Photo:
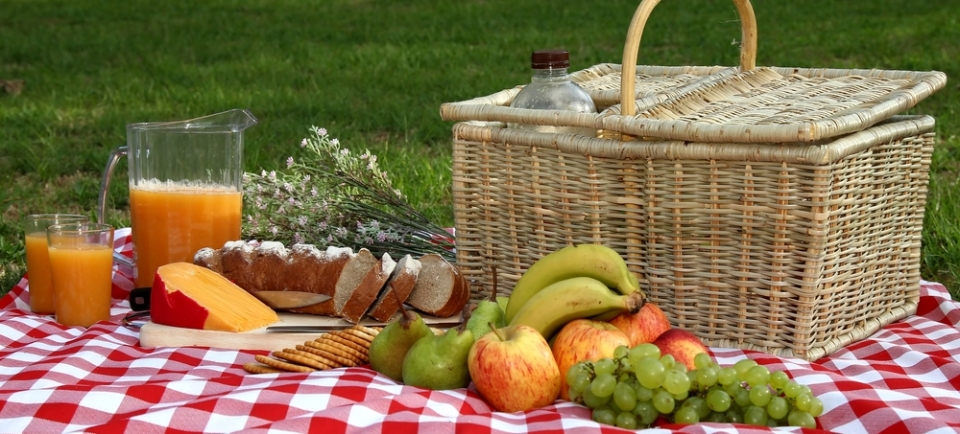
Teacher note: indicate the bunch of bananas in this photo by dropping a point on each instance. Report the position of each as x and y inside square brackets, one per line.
[579, 281]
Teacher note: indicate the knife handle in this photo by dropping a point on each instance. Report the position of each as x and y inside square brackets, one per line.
[140, 299]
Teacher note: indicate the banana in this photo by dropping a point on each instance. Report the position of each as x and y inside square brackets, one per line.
[570, 299]
[585, 260]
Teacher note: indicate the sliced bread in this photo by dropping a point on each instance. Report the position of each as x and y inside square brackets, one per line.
[397, 289]
[327, 278]
[440, 290]
[367, 291]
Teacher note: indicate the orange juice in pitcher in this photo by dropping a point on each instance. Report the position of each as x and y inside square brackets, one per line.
[179, 220]
[185, 187]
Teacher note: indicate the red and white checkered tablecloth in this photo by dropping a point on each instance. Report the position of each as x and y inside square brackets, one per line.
[903, 379]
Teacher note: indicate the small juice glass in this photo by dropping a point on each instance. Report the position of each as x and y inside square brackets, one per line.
[81, 267]
[38, 262]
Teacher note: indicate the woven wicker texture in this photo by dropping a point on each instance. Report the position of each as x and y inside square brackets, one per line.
[776, 209]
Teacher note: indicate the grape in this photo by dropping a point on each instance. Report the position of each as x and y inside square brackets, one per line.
[714, 417]
[758, 376]
[816, 407]
[754, 415]
[605, 365]
[594, 401]
[681, 396]
[802, 419]
[676, 382]
[574, 394]
[702, 360]
[792, 389]
[742, 366]
[698, 404]
[626, 420]
[726, 375]
[802, 401]
[778, 407]
[643, 351]
[649, 372]
[646, 413]
[718, 400]
[742, 397]
[779, 379]
[643, 393]
[759, 396]
[668, 361]
[663, 401]
[706, 376]
[604, 416]
[624, 397]
[580, 382]
[733, 416]
[575, 371]
[679, 367]
[686, 416]
[603, 385]
[621, 352]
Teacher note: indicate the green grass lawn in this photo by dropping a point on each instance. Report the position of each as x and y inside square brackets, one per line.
[375, 73]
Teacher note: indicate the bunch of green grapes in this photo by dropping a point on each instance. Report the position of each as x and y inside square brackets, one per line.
[637, 386]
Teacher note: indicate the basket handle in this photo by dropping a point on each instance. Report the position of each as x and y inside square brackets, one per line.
[628, 75]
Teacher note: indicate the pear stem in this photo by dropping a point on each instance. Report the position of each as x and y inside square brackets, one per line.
[496, 331]
[493, 292]
[405, 317]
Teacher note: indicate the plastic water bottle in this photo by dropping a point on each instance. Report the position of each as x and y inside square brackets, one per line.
[550, 88]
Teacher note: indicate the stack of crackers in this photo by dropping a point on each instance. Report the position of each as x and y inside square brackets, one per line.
[335, 349]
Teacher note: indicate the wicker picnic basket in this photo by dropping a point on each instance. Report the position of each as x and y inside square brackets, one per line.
[773, 209]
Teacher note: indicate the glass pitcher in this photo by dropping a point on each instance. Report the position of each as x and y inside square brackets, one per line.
[185, 187]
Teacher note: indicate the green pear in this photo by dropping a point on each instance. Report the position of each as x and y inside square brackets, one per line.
[502, 301]
[439, 362]
[487, 312]
[389, 348]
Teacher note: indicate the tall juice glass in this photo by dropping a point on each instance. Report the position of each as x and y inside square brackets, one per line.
[38, 261]
[81, 265]
[186, 187]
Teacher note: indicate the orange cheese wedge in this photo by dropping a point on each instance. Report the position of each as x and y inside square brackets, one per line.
[191, 296]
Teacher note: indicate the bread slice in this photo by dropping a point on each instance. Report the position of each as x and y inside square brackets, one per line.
[326, 278]
[398, 287]
[367, 291]
[440, 290]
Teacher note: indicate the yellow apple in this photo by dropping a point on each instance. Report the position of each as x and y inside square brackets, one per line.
[513, 369]
[682, 344]
[584, 340]
[644, 326]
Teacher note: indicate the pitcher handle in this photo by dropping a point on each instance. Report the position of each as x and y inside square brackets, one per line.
[105, 182]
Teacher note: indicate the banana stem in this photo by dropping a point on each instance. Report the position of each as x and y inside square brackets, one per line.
[634, 302]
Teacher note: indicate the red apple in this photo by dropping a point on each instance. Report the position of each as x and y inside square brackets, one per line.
[513, 369]
[681, 344]
[644, 326]
[584, 340]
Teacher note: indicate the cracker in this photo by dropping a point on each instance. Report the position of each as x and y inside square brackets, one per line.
[256, 368]
[356, 336]
[280, 364]
[330, 350]
[359, 349]
[372, 331]
[305, 358]
[322, 350]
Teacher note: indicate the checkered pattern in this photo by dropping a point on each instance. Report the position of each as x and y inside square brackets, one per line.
[903, 379]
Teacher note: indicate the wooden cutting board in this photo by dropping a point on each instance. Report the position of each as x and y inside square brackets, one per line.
[154, 335]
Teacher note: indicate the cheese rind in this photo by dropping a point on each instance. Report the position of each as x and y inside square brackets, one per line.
[191, 296]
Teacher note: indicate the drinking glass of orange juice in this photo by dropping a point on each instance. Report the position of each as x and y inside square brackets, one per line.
[81, 268]
[38, 262]
[185, 187]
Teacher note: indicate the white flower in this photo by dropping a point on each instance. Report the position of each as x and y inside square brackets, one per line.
[273, 174]
[303, 143]
[322, 132]
[313, 191]
[302, 220]
[289, 162]
[335, 142]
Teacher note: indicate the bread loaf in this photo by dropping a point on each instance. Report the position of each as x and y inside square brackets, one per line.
[359, 283]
